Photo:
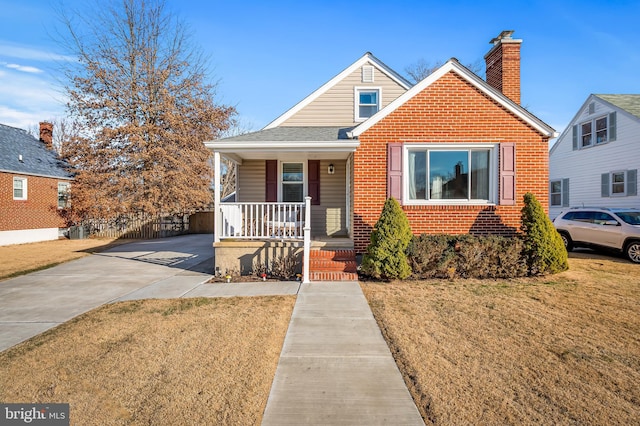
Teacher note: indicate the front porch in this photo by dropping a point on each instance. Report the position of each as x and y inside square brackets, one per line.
[293, 196]
[252, 237]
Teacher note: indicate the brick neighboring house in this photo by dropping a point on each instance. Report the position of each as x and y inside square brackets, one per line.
[458, 153]
[34, 186]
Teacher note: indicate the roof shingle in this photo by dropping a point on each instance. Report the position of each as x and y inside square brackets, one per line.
[36, 158]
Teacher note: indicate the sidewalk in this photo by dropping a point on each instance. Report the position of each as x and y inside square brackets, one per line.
[335, 366]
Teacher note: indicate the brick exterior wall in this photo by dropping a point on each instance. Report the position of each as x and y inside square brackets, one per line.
[39, 210]
[448, 111]
[503, 68]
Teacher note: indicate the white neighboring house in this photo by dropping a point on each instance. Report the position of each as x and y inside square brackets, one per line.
[595, 160]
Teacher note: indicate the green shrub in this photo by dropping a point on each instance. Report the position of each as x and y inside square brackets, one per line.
[543, 248]
[385, 257]
[466, 256]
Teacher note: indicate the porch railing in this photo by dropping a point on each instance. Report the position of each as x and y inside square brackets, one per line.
[262, 220]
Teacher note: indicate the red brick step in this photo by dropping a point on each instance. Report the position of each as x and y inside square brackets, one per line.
[332, 265]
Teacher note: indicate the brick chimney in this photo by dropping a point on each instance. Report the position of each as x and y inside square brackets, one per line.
[46, 134]
[503, 65]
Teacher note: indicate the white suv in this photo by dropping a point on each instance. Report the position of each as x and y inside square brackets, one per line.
[611, 228]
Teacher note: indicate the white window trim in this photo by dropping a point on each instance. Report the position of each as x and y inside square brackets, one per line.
[68, 186]
[356, 101]
[493, 173]
[626, 180]
[594, 132]
[24, 188]
[304, 177]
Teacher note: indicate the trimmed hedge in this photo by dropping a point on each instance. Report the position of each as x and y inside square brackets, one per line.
[466, 256]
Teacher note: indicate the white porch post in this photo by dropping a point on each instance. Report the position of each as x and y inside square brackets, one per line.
[307, 240]
[217, 216]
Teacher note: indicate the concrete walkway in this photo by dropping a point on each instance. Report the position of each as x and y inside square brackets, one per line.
[335, 367]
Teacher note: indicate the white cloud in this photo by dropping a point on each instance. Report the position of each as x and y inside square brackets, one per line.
[27, 98]
[24, 68]
[13, 50]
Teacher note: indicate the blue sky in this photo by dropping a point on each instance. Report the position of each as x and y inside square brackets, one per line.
[267, 55]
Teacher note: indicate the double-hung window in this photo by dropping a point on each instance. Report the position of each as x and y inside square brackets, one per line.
[451, 174]
[595, 131]
[556, 192]
[292, 182]
[559, 193]
[19, 188]
[367, 102]
[63, 195]
[619, 183]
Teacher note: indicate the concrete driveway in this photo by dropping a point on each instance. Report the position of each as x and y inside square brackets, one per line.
[167, 267]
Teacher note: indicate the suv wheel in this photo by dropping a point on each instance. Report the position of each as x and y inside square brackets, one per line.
[568, 244]
[633, 251]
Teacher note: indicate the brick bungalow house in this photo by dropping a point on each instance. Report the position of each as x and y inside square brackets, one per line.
[458, 153]
[34, 186]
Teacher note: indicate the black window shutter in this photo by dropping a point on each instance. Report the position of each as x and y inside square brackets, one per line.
[575, 137]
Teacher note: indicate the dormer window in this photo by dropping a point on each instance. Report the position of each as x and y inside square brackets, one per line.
[367, 103]
[596, 131]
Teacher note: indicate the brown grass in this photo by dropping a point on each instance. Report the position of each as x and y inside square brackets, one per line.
[20, 259]
[562, 349]
[180, 362]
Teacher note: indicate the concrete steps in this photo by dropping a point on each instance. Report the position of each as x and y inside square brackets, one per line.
[333, 265]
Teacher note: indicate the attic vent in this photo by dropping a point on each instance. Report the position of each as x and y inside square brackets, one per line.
[367, 74]
[592, 108]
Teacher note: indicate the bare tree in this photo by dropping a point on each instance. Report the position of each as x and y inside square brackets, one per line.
[142, 106]
[64, 129]
[421, 69]
[228, 179]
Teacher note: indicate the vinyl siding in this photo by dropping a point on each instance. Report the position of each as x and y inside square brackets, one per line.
[584, 167]
[251, 181]
[336, 107]
[326, 219]
[329, 217]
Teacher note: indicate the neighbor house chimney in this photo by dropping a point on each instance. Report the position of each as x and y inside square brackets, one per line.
[46, 134]
[503, 65]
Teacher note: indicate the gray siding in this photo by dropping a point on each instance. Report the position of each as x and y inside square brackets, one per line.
[584, 167]
[336, 106]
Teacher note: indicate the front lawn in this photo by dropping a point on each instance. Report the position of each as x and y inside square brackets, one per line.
[161, 362]
[563, 349]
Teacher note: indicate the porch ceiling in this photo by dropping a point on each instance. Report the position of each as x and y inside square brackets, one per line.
[297, 149]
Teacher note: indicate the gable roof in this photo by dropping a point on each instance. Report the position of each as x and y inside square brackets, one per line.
[629, 103]
[36, 160]
[454, 66]
[624, 103]
[366, 58]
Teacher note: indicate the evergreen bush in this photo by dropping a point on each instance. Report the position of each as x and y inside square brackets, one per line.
[466, 256]
[385, 257]
[543, 248]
